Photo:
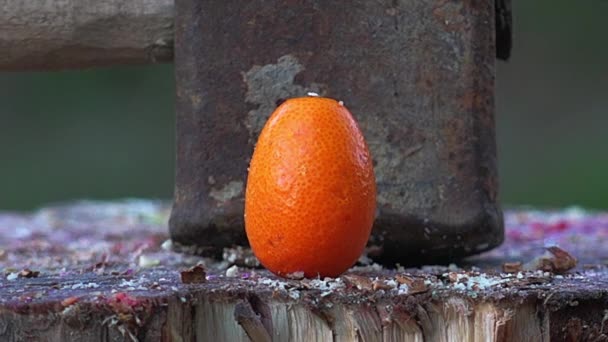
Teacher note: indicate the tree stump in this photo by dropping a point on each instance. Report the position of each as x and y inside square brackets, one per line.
[106, 271]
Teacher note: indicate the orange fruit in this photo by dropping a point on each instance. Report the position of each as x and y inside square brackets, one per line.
[311, 193]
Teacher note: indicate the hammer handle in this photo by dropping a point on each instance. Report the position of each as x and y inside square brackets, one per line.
[73, 34]
[67, 34]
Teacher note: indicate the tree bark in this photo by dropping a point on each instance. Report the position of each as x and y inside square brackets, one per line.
[65, 34]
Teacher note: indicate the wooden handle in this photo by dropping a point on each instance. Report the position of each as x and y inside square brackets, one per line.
[68, 34]
[72, 34]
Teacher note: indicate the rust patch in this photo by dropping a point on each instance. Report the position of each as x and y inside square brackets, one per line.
[228, 192]
[269, 85]
[449, 15]
[471, 100]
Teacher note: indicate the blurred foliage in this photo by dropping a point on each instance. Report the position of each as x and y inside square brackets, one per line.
[552, 106]
[101, 133]
[109, 133]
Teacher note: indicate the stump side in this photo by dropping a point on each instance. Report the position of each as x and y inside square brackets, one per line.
[105, 270]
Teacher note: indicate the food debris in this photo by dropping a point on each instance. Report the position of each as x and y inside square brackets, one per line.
[193, 275]
[512, 267]
[167, 245]
[83, 286]
[146, 261]
[327, 284]
[472, 280]
[364, 259]
[454, 277]
[272, 283]
[27, 273]
[414, 285]
[69, 301]
[232, 271]
[295, 275]
[367, 268]
[381, 284]
[554, 260]
[129, 310]
[294, 294]
[122, 302]
[360, 282]
[240, 256]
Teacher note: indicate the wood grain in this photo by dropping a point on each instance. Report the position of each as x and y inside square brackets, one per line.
[68, 34]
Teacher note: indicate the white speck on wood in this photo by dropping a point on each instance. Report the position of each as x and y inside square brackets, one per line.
[232, 271]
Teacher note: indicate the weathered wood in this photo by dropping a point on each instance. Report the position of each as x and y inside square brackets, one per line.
[59, 34]
[107, 273]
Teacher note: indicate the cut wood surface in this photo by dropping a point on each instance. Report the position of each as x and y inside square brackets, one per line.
[105, 271]
[47, 35]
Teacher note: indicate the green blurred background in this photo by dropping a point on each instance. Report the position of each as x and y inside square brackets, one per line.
[109, 133]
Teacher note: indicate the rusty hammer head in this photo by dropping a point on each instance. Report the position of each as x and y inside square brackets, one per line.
[418, 76]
